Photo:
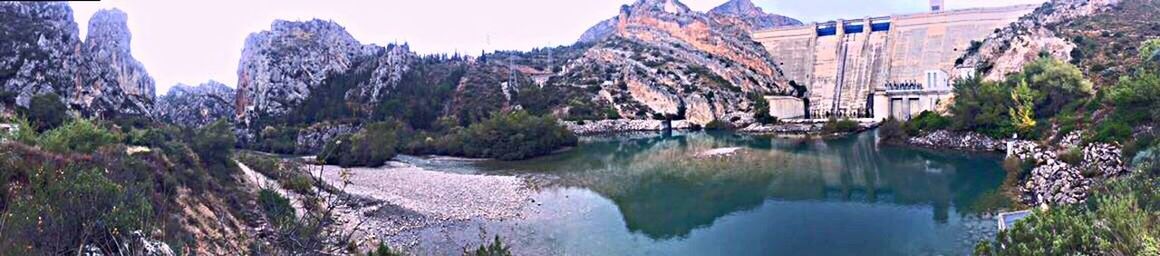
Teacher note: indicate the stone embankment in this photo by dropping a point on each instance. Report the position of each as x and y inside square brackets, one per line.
[968, 141]
[1053, 180]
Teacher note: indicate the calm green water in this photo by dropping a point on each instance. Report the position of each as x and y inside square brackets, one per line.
[651, 195]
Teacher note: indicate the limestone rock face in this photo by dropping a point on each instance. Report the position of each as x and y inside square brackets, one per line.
[754, 17]
[598, 32]
[394, 62]
[1012, 47]
[39, 51]
[196, 106]
[112, 81]
[42, 53]
[280, 67]
[663, 60]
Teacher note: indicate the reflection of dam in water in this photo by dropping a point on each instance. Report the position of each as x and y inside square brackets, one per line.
[884, 66]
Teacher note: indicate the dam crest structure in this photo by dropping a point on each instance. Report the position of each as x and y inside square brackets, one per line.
[881, 67]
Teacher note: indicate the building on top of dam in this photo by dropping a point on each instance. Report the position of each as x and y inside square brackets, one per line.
[880, 67]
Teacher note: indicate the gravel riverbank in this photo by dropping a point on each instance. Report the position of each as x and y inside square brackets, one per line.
[418, 198]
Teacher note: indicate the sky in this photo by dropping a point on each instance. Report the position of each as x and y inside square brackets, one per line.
[192, 42]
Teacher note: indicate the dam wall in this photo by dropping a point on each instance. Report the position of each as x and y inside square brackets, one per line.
[843, 62]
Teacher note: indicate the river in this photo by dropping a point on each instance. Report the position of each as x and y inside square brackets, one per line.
[664, 194]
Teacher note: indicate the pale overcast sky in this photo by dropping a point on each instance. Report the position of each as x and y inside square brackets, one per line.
[194, 41]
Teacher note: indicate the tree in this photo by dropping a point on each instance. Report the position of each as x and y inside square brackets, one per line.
[890, 131]
[47, 111]
[1022, 114]
[761, 109]
[1150, 50]
[214, 144]
[1058, 83]
[982, 107]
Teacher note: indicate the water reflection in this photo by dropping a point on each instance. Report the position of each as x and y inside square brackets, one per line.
[664, 191]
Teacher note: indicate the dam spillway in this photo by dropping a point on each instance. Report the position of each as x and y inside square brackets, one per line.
[847, 64]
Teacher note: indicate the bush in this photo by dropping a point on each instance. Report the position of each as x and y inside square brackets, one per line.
[372, 146]
[214, 144]
[761, 109]
[511, 135]
[925, 122]
[383, 250]
[1073, 156]
[1136, 98]
[982, 107]
[1112, 131]
[891, 131]
[1119, 219]
[82, 136]
[72, 207]
[495, 248]
[276, 207]
[1056, 84]
[47, 111]
[840, 126]
[718, 125]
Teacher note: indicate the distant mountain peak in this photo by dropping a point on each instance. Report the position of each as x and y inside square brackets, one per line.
[754, 16]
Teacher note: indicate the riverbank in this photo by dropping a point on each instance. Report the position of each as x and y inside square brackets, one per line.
[416, 198]
[787, 128]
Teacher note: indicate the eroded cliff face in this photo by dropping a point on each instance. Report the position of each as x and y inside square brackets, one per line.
[754, 17]
[39, 51]
[112, 81]
[196, 106]
[1038, 33]
[280, 67]
[42, 53]
[665, 60]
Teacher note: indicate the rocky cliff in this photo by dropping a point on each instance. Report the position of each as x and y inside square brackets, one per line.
[754, 17]
[280, 67]
[665, 60]
[42, 53]
[1083, 32]
[196, 106]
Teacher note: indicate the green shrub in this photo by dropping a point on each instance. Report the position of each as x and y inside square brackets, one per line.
[761, 109]
[81, 136]
[25, 132]
[718, 125]
[891, 131]
[1136, 98]
[47, 111]
[1056, 84]
[72, 207]
[384, 250]
[1119, 219]
[1112, 131]
[276, 207]
[834, 125]
[982, 107]
[300, 184]
[511, 135]
[214, 144]
[1073, 156]
[495, 248]
[925, 122]
[372, 146]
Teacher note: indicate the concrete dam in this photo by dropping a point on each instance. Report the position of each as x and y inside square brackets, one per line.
[882, 66]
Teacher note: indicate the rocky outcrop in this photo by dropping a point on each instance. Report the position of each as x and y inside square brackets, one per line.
[1054, 181]
[111, 80]
[969, 141]
[662, 59]
[598, 32]
[1022, 42]
[42, 53]
[312, 139]
[280, 67]
[197, 106]
[754, 17]
[39, 51]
